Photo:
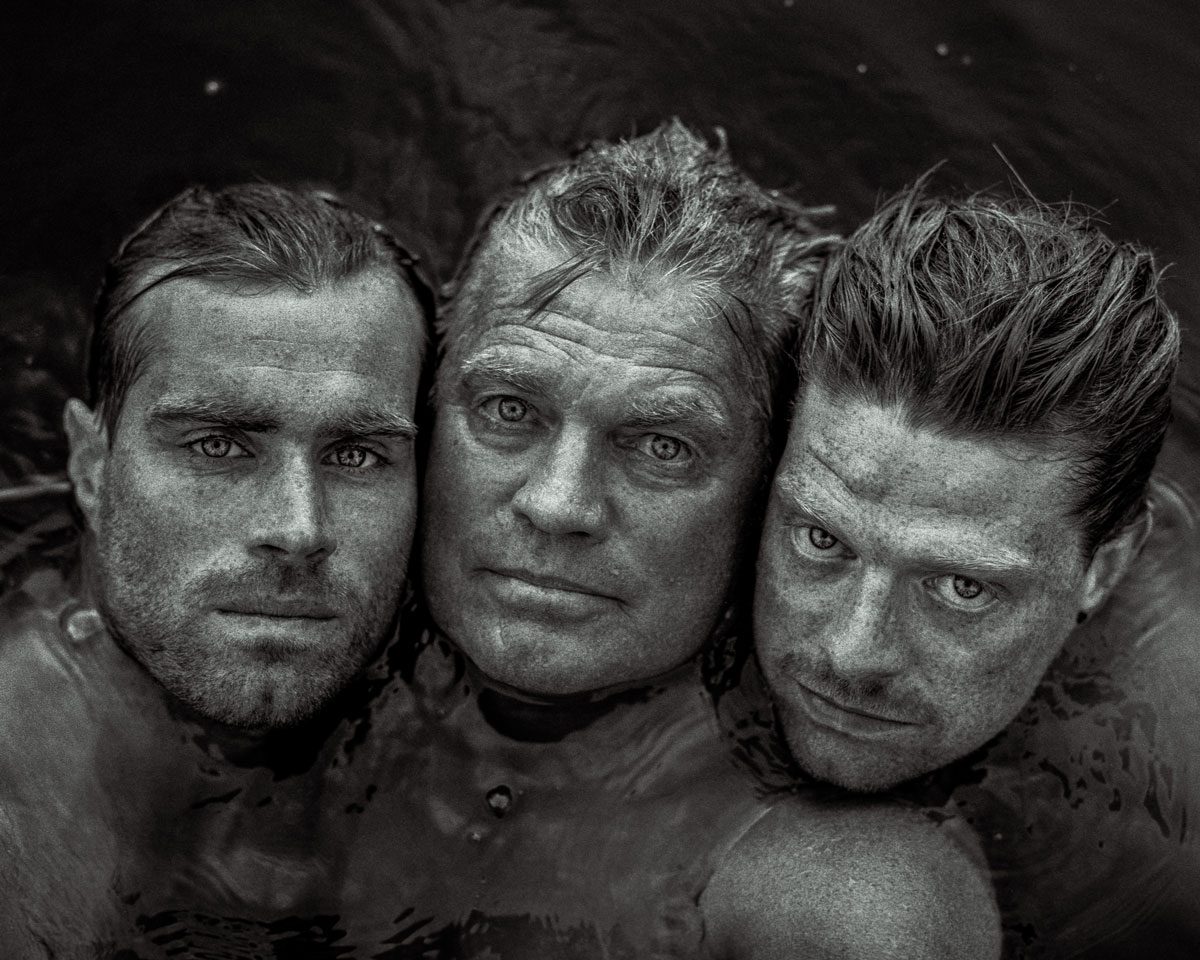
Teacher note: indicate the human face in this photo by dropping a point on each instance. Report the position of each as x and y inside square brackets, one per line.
[254, 513]
[590, 474]
[913, 587]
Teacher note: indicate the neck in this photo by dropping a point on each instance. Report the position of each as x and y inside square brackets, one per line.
[526, 716]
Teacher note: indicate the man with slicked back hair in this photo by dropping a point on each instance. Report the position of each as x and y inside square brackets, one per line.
[246, 475]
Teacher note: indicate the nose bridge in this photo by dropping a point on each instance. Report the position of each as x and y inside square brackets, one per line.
[294, 510]
[562, 491]
[864, 639]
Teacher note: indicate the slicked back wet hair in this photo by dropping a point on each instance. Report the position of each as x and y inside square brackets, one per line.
[257, 234]
[1009, 320]
[666, 206]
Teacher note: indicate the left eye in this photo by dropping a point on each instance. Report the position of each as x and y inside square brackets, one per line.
[962, 592]
[664, 448]
[355, 458]
[218, 448]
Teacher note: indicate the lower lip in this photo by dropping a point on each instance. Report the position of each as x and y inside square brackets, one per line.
[825, 713]
[533, 599]
[259, 625]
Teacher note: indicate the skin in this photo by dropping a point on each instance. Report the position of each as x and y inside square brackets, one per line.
[850, 881]
[913, 588]
[253, 513]
[589, 481]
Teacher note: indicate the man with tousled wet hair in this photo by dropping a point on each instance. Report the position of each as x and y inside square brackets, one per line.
[986, 386]
[616, 345]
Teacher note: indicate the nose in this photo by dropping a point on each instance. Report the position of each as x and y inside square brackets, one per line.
[863, 639]
[291, 515]
[561, 493]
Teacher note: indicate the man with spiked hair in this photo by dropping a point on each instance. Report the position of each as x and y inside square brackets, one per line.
[616, 346]
[986, 385]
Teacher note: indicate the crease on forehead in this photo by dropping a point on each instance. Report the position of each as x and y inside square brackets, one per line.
[675, 394]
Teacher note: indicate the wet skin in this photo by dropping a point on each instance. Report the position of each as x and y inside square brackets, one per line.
[589, 481]
[913, 588]
[254, 512]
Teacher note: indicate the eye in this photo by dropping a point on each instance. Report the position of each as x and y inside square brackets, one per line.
[218, 448]
[818, 543]
[510, 409]
[663, 448]
[963, 593]
[355, 457]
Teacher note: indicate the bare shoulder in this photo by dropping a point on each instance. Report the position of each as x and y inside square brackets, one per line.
[851, 879]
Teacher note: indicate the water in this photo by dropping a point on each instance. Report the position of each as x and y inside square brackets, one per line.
[424, 111]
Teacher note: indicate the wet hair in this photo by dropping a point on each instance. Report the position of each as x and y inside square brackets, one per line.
[258, 234]
[1010, 320]
[664, 206]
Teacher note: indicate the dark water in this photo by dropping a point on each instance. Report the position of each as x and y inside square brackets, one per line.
[425, 110]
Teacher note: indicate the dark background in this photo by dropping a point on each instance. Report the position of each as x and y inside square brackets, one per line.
[422, 111]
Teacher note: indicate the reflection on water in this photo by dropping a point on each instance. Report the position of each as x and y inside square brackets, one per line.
[425, 110]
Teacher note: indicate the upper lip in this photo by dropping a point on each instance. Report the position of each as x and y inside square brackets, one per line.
[547, 580]
[861, 711]
[279, 607]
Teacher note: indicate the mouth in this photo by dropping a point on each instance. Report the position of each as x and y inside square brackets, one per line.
[279, 608]
[547, 581]
[846, 718]
[545, 597]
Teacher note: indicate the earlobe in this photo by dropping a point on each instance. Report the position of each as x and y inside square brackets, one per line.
[87, 438]
[1113, 558]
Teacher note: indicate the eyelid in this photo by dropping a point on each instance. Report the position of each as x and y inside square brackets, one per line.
[799, 533]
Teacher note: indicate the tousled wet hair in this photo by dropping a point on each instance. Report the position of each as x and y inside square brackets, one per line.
[1010, 320]
[663, 206]
[259, 234]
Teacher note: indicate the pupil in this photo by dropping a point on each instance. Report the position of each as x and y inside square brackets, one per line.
[351, 457]
[215, 447]
[511, 409]
[966, 588]
[821, 539]
[665, 448]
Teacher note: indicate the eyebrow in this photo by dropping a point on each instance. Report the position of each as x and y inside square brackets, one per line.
[688, 406]
[249, 417]
[523, 377]
[1000, 563]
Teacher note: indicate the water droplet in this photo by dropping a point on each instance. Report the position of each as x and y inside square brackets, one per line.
[213, 87]
[861, 68]
[942, 49]
[499, 799]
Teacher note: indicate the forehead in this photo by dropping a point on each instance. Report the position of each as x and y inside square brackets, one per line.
[658, 333]
[912, 492]
[363, 334]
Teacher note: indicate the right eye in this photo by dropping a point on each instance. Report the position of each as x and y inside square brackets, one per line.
[217, 447]
[817, 543]
[505, 409]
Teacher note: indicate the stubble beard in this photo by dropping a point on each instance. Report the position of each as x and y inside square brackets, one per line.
[162, 624]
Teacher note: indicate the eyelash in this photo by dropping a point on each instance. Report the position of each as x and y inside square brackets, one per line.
[380, 459]
[801, 534]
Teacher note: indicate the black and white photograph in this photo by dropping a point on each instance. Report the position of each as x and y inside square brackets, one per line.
[600, 480]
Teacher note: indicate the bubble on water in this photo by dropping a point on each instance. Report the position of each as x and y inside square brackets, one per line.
[499, 800]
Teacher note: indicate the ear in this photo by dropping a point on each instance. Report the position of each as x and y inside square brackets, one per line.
[88, 439]
[1113, 558]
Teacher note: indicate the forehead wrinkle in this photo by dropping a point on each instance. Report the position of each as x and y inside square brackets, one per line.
[975, 552]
